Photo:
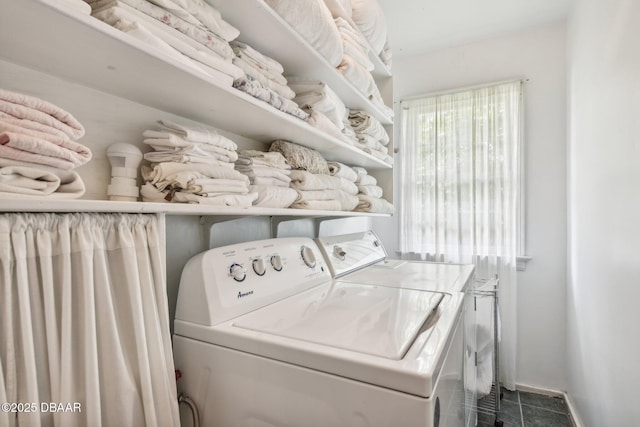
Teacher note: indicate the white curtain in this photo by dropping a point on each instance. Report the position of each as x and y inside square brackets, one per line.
[84, 321]
[460, 189]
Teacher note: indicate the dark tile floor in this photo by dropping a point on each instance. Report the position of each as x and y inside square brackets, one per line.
[523, 409]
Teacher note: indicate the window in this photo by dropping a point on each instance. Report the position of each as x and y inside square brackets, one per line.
[461, 183]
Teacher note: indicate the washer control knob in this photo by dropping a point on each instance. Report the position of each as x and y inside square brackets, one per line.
[276, 262]
[339, 253]
[259, 266]
[308, 256]
[238, 272]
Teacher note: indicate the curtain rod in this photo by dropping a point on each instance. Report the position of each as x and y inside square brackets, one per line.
[463, 89]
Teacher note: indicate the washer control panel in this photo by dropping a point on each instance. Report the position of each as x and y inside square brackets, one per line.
[225, 282]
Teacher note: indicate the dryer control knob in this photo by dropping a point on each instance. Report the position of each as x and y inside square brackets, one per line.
[259, 266]
[339, 253]
[308, 256]
[238, 272]
[276, 262]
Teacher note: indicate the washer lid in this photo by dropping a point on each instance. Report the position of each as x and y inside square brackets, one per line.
[375, 320]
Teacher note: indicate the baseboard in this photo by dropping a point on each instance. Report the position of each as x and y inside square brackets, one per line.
[539, 390]
[573, 414]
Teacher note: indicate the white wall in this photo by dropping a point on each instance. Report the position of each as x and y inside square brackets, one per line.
[540, 56]
[604, 186]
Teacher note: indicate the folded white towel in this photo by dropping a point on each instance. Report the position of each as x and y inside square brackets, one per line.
[151, 194]
[342, 170]
[322, 205]
[364, 123]
[202, 12]
[209, 16]
[163, 156]
[357, 75]
[313, 21]
[348, 31]
[257, 90]
[29, 145]
[204, 186]
[319, 96]
[78, 6]
[265, 172]
[175, 175]
[270, 196]
[264, 158]
[303, 180]
[369, 17]
[189, 134]
[265, 180]
[250, 70]
[321, 122]
[21, 106]
[18, 179]
[373, 204]
[370, 190]
[200, 35]
[128, 19]
[369, 141]
[260, 60]
[360, 170]
[365, 179]
[348, 202]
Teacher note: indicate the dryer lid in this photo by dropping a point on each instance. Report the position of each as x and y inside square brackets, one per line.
[375, 320]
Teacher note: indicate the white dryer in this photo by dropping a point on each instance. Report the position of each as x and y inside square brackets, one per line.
[265, 337]
[361, 258]
[349, 254]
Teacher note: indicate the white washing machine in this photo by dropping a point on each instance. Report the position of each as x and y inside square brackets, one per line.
[265, 337]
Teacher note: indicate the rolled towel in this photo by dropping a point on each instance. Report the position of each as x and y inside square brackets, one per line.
[370, 190]
[342, 170]
[366, 179]
[373, 205]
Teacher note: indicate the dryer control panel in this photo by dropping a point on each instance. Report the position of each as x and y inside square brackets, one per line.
[351, 252]
[226, 282]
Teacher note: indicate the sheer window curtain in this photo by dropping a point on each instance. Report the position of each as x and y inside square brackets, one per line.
[460, 189]
[84, 318]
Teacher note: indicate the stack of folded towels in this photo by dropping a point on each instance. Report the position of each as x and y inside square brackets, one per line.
[313, 21]
[326, 110]
[356, 66]
[370, 20]
[310, 177]
[262, 78]
[371, 135]
[189, 32]
[193, 165]
[370, 194]
[269, 175]
[38, 148]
